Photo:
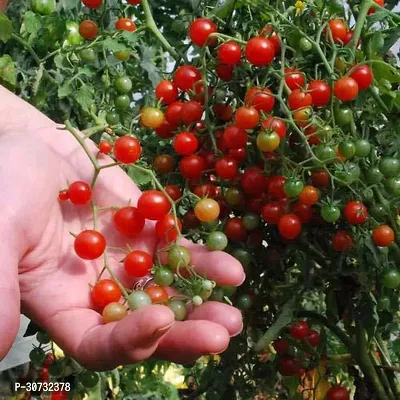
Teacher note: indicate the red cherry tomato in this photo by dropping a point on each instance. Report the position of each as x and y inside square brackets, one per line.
[363, 76]
[342, 241]
[185, 143]
[167, 92]
[355, 212]
[320, 93]
[89, 244]
[157, 294]
[125, 24]
[223, 111]
[383, 235]
[272, 212]
[260, 51]
[260, 98]
[186, 76]
[294, 78]
[226, 168]
[281, 346]
[127, 149]
[337, 393]
[92, 3]
[173, 191]
[299, 330]
[247, 117]
[229, 53]
[275, 124]
[206, 190]
[235, 137]
[138, 263]
[88, 29]
[224, 72]
[320, 178]
[289, 226]
[275, 187]
[173, 113]
[63, 195]
[166, 228]
[289, 365]
[346, 89]
[338, 30]
[200, 30]
[238, 154]
[253, 180]
[129, 221]
[79, 193]
[235, 230]
[166, 129]
[309, 196]
[313, 338]
[299, 99]
[191, 111]
[105, 147]
[372, 10]
[191, 167]
[273, 37]
[153, 204]
[104, 292]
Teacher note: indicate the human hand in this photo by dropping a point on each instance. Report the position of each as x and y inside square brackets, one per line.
[39, 267]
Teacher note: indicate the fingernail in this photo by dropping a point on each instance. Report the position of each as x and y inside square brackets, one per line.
[238, 332]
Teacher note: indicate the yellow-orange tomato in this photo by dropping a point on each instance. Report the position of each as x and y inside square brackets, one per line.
[152, 117]
[114, 312]
[309, 195]
[268, 141]
[302, 116]
[207, 210]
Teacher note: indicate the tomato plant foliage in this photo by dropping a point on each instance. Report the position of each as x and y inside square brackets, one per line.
[284, 115]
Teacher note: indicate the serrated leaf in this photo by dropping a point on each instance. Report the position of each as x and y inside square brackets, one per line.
[148, 65]
[32, 22]
[139, 177]
[32, 329]
[375, 43]
[8, 74]
[6, 29]
[84, 97]
[64, 90]
[113, 45]
[129, 38]
[366, 311]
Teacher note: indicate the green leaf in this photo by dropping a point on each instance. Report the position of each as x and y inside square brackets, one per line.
[138, 176]
[6, 29]
[113, 45]
[32, 22]
[385, 71]
[284, 318]
[366, 311]
[292, 383]
[8, 75]
[375, 43]
[336, 7]
[69, 4]
[64, 90]
[224, 9]
[396, 347]
[84, 97]
[392, 37]
[148, 65]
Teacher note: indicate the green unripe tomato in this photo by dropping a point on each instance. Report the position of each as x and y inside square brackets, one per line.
[373, 175]
[123, 84]
[243, 256]
[325, 153]
[88, 56]
[43, 7]
[163, 277]
[392, 185]
[229, 291]
[384, 303]
[330, 213]
[343, 116]
[389, 166]
[244, 302]
[305, 44]
[112, 118]
[178, 257]
[325, 132]
[37, 355]
[378, 212]
[73, 38]
[293, 187]
[217, 294]
[89, 379]
[234, 196]
[178, 307]
[138, 299]
[251, 221]
[122, 55]
[347, 149]
[43, 337]
[122, 102]
[363, 148]
[217, 241]
[391, 279]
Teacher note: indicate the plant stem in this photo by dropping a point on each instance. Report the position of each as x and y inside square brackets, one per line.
[365, 5]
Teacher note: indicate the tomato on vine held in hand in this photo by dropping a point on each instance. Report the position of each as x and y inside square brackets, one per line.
[275, 187]
[260, 98]
[363, 75]
[88, 29]
[342, 241]
[157, 294]
[207, 210]
[114, 312]
[235, 137]
[309, 196]
[92, 3]
[338, 30]
[226, 168]
[138, 299]
[355, 212]
[346, 89]
[186, 76]
[224, 71]
[217, 241]
[281, 346]
[275, 124]
[191, 111]
[178, 257]
[206, 190]
[337, 393]
[299, 330]
[151, 117]
[185, 143]
[247, 117]
[63, 195]
[235, 230]
[164, 164]
[167, 92]
[127, 149]
[391, 279]
[289, 226]
[191, 167]
[129, 221]
[166, 228]
[320, 93]
[153, 204]
[299, 99]
[383, 235]
[268, 141]
[89, 244]
[229, 53]
[105, 147]
[260, 51]
[173, 191]
[272, 212]
[125, 24]
[104, 292]
[138, 263]
[79, 193]
[294, 78]
[200, 30]
[372, 10]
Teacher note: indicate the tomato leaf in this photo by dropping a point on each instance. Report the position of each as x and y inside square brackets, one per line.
[375, 44]
[139, 177]
[336, 7]
[65, 89]
[6, 29]
[32, 22]
[8, 75]
[224, 9]
[148, 65]
[84, 97]
[113, 45]
[366, 311]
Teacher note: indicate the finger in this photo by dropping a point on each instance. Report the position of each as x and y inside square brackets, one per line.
[229, 317]
[187, 341]
[82, 334]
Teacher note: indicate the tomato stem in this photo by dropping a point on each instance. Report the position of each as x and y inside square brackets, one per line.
[365, 5]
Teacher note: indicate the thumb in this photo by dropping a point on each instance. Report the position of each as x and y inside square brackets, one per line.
[9, 294]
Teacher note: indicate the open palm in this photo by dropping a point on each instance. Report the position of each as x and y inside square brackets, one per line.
[39, 267]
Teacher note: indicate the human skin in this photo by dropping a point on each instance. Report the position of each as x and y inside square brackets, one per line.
[42, 276]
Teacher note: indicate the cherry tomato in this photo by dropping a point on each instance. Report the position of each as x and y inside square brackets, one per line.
[268, 141]
[200, 30]
[272, 212]
[206, 190]
[260, 51]
[63, 195]
[166, 228]
[178, 257]
[113, 312]
[105, 147]
[320, 93]
[151, 117]
[281, 346]
[299, 330]
[355, 212]
[226, 168]
[167, 92]
[104, 292]
[129, 221]
[224, 71]
[302, 117]
[60, 395]
[313, 338]
[330, 213]
[185, 143]
[92, 3]
[273, 37]
[122, 55]
[338, 30]
[89, 244]
[299, 99]
[199, 94]
[88, 29]
[260, 98]
[383, 235]
[43, 7]
[342, 241]
[275, 187]
[173, 191]
[346, 89]
[127, 149]
[303, 211]
[309, 196]
[191, 167]
[320, 178]
[125, 24]
[289, 226]
[89, 379]
[164, 164]
[363, 76]
[229, 53]
[372, 10]
[123, 84]
[294, 78]
[235, 137]
[235, 230]
[391, 279]
[223, 111]
[138, 263]
[191, 111]
[134, 2]
[289, 365]
[207, 210]
[79, 193]
[389, 166]
[275, 124]
[253, 180]
[247, 117]
[293, 187]
[337, 393]
[153, 204]
[186, 76]
[157, 294]
[173, 113]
